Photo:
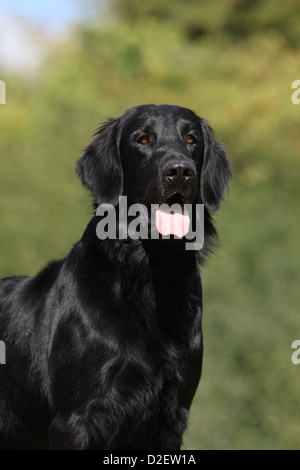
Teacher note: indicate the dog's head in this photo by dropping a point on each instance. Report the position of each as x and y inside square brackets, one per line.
[153, 155]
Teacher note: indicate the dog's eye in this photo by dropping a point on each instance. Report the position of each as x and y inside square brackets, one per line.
[143, 140]
[191, 139]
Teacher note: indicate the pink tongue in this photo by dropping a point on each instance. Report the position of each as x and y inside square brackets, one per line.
[172, 224]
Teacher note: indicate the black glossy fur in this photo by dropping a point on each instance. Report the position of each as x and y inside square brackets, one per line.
[104, 347]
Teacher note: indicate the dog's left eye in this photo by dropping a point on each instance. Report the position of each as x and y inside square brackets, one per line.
[191, 139]
[143, 140]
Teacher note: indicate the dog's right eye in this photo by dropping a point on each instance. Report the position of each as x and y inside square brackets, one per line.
[143, 140]
[191, 139]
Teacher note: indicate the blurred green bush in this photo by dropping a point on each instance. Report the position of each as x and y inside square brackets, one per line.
[233, 64]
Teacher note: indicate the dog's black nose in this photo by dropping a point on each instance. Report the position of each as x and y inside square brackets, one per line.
[176, 171]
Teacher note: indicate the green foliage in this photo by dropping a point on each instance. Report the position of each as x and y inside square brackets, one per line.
[235, 19]
[232, 62]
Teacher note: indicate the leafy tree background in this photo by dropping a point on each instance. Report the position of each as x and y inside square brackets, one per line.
[233, 63]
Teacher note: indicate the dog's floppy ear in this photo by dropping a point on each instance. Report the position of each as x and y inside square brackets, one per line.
[216, 172]
[100, 167]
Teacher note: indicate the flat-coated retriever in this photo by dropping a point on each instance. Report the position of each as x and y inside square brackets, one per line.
[104, 347]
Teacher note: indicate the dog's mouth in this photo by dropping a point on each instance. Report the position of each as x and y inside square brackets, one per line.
[176, 198]
[170, 216]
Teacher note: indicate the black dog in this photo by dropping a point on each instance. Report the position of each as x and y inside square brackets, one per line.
[104, 347]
